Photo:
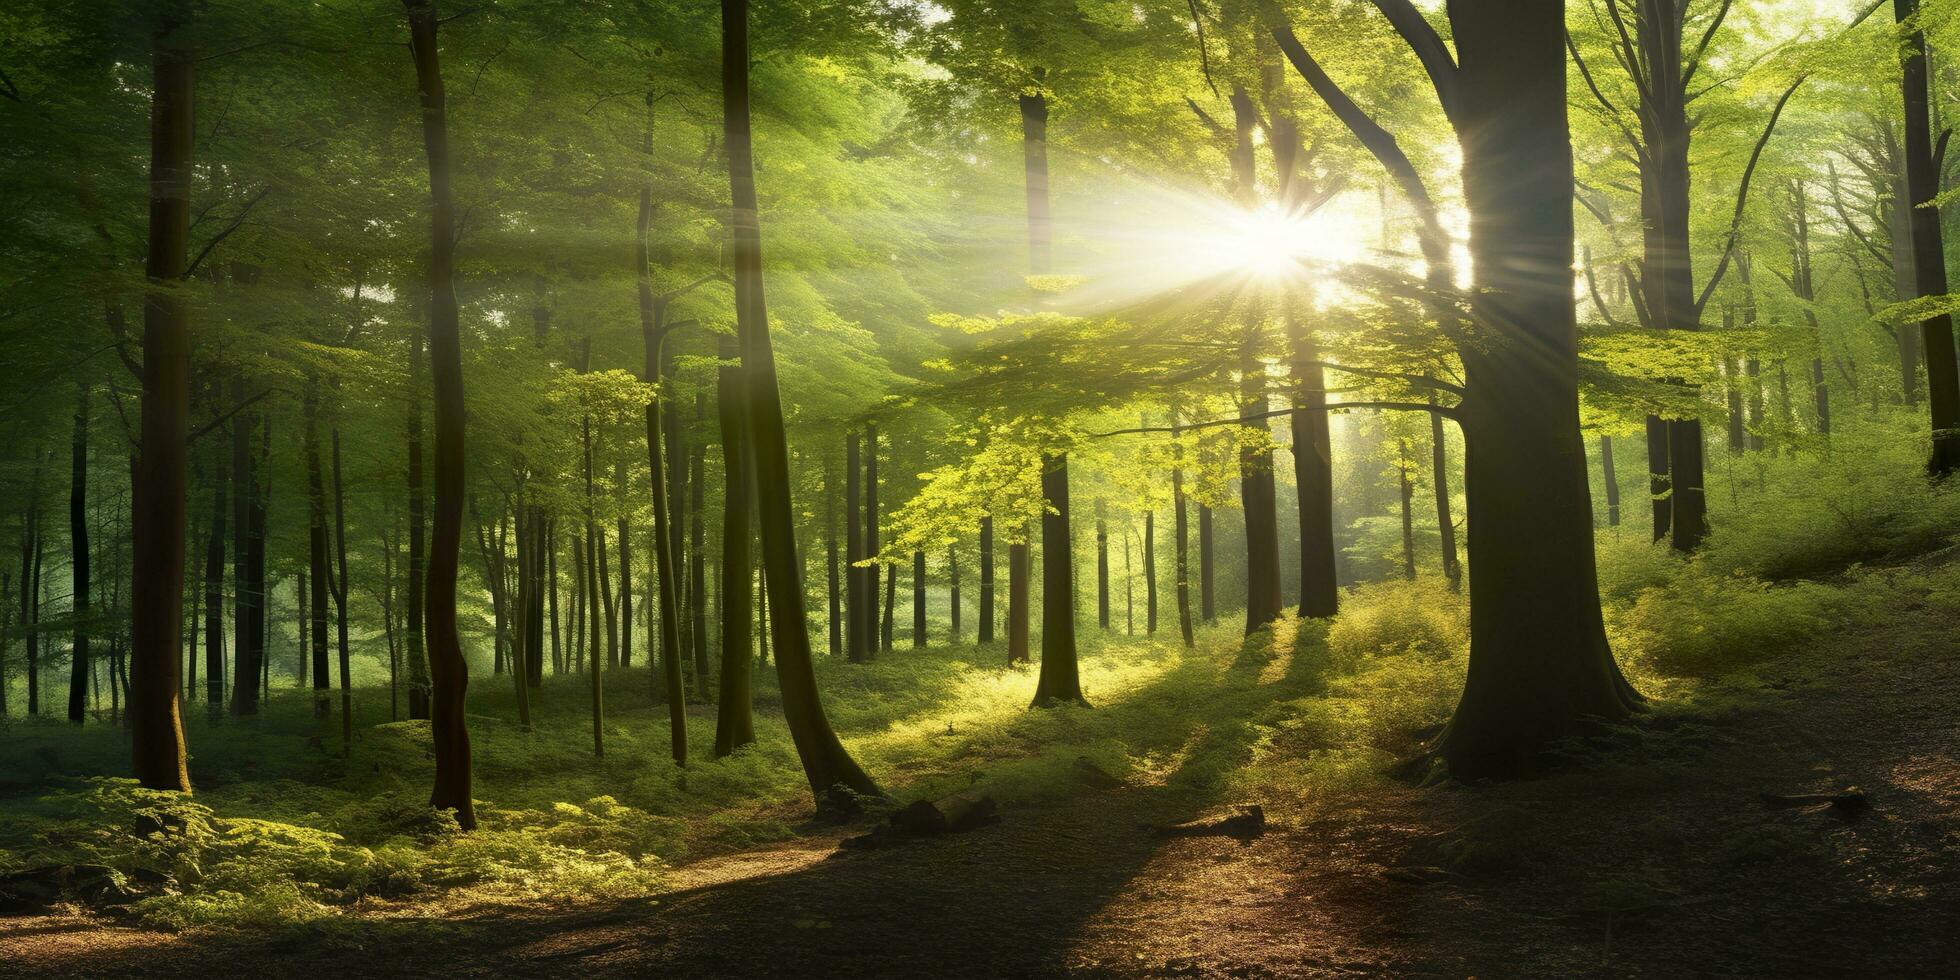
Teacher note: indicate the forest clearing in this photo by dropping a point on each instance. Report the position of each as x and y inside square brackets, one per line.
[979, 488]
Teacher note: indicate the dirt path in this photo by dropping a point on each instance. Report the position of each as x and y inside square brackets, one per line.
[1654, 857]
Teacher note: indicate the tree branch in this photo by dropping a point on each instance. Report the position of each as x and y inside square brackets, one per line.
[1446, 411]
[1415, 380]
[1742, 196]
[1701, 48]
[236, 221]
[204, 429]
[1429, 48]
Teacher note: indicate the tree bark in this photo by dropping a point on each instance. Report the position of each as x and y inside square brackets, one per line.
[418, 664]
[449, 673]
[1181, 531]
[1150, 572]
[157, 521]
[877, 637]
[316, 550]
[79, 665]
[696, 574]
[214, 602]
[857, 635]
[1408, 510]
[825, 762]
[1611, 480]
[1018, 574]
[832, 593]
[1439, 467]
[340, 603]
[735, 713]
[986, 634]
[1102, 570]
[1060, 681]
[1260, 500]
[1928, 248]
[918, 599]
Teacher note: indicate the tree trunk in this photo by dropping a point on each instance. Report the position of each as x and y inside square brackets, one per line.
[593, 564]
[735, 714]
[856, 636]
[1929, 248]
[1313, 475]
[1150, 572]
[79, 666]
[891, 600]
[418, 664]
[1018, 573]
[832, 594]
[625, 537]
[1539, 661]
[1102, 570]
[666, 549]
[825, 762]
[449, 673]
[1059, 682]
[30, 583]
[1207, 607]
[316, 551]
[157, 519]
[1181, 528]
[1260, 499]
[340, 603]
[1612, 481]
[918, 599]
[953, 590]
[1408, 510]
[697, 608]
[214, 603]
[986, 634]
[875, 636]
[1439, 466]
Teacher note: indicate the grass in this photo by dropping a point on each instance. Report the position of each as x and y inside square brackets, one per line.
[1306, 717]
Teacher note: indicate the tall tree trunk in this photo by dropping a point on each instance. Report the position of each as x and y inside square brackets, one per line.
[697, 607]
[735, 715]
[78, 547]
[1313, 475]
[1181, 528]
[551, 592]
[1150, 572]
[1260, 500]
[594, 564]
[340, 603]
[953, 591]
[1408, 510]
[157, 519]
[317, 560]
[214, 602]
[1539, 660]
[875, 635]
[1018, 573]
[1060, 681]
[856, 632]
[832, 593]
[986, 634]
[1207, 604]
[825, 762]
[1929, 248]
[625, 536]
[666, 551]
[449, 673]
[1102, 569]
[418, 664]
[30, 583]
[891, 600]
[918, 599]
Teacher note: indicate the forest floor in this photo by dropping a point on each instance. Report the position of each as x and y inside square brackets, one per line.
[1653, 852]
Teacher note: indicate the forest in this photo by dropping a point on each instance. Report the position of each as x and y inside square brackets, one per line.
[979, 488]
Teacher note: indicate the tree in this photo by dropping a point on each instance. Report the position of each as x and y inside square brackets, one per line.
[449, 673]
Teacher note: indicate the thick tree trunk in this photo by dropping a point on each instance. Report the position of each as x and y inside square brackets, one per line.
[1018, 573]
[825, 762]
[1059, 682]
[1929, 249]
[449, 673]
[78, 547]
[1657, 475]
[735, 714]
[1313, 475]
[1539, 660]
[157, 520]
[1260, 500]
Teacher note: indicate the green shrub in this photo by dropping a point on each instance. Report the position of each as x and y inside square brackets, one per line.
[1422, 618]
[1708, 621]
